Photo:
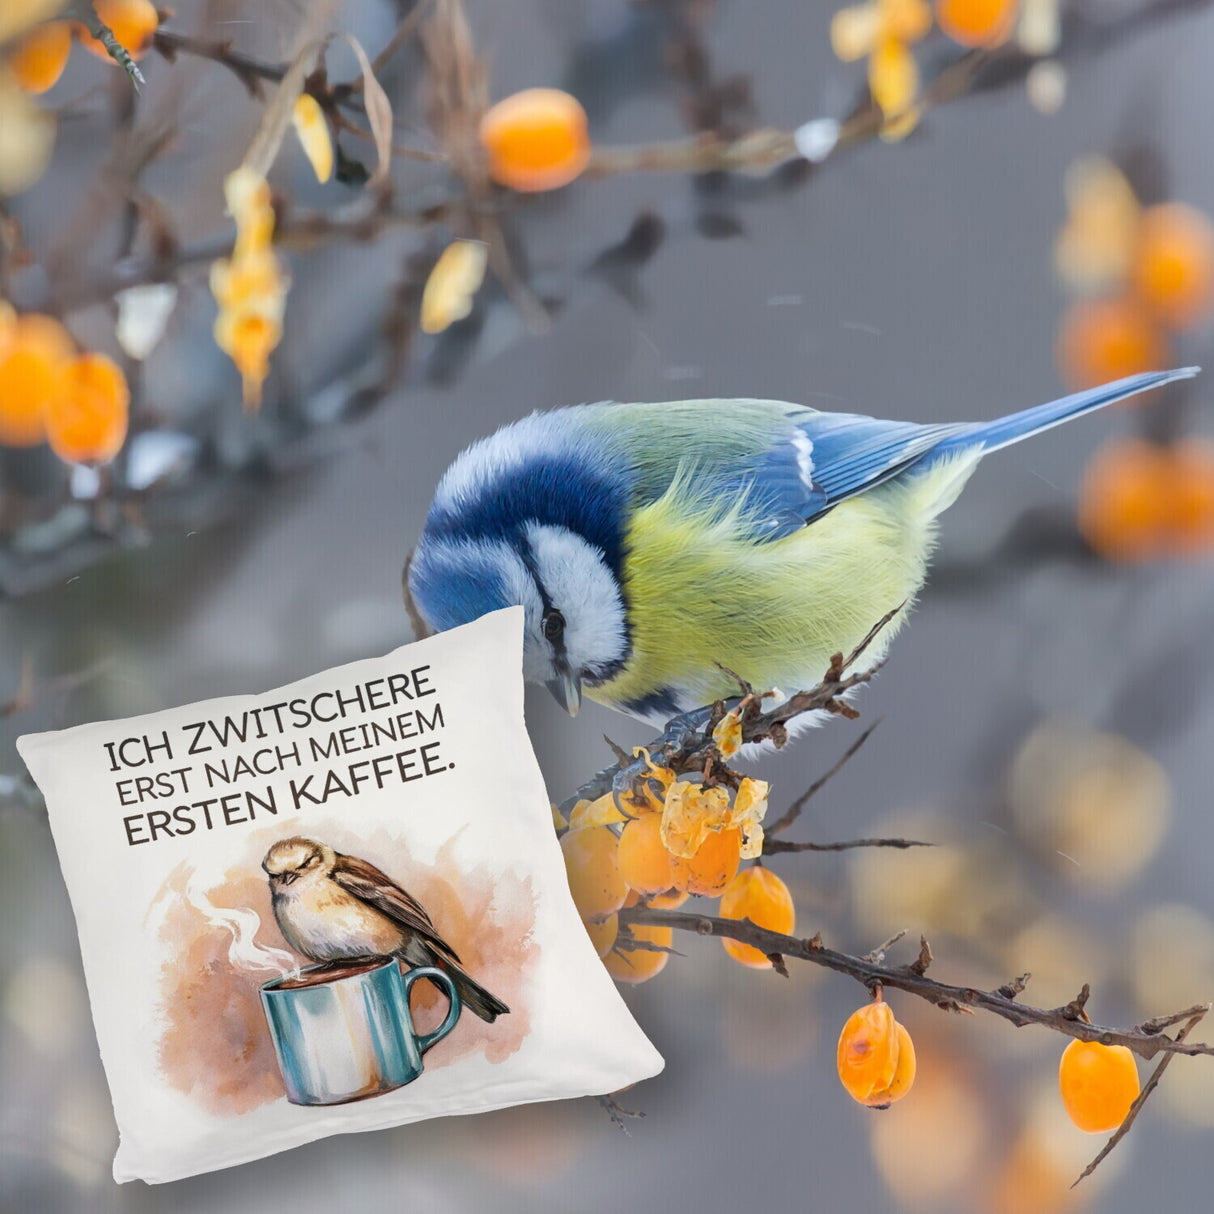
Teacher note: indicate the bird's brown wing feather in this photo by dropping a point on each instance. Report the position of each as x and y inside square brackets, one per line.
[377, 889]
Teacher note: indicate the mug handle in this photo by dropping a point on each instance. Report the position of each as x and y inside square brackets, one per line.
[439, 978]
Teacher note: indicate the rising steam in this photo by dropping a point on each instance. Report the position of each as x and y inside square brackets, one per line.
[244, 923]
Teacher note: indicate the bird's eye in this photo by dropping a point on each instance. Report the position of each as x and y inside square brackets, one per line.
[553, 624]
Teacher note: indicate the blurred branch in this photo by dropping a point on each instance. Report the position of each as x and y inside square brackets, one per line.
[1146, 1040]
[772, 847]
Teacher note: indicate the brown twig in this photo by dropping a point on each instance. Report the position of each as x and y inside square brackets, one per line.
[913, 980]
[773, 847]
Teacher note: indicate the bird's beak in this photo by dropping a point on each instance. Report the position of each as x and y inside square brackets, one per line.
[566, 689]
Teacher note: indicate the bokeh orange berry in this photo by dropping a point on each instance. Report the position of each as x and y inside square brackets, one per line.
[640, 964]
[40, 56]
[1106, 339]
[1192, 496]
[1098, 1084]
[977, 22]
[536, 140]
[712, 867]
[87, 422]
[132, 22]
[875, 1056]
[1140, 500]
[1173, 264]
[645, 864]
[33, 360]
[593, 866]
[1122, 500]
[757, 894]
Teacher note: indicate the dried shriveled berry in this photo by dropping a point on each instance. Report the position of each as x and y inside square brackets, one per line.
[536, 140]
[759, 895]
[1098, 1084]
[713, 866]
[876, 1057]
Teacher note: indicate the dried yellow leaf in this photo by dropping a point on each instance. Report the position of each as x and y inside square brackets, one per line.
[453, 284]
[312, 129]
[728, 733]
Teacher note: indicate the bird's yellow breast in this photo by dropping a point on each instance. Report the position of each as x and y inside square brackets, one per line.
[701, 591]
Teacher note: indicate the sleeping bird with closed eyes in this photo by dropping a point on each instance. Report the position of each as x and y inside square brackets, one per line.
[650, 544]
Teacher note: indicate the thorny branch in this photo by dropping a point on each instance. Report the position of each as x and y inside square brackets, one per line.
[1146, 1040]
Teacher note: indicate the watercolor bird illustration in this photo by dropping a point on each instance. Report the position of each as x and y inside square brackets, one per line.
[653, 545]
[333, 908]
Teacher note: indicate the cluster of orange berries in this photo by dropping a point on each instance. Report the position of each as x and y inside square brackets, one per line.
[52, 393]
[38, 58]
[674, 839]
[884, 30]
[1141, 274]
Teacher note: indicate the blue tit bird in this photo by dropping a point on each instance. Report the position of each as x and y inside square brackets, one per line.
[650, 544]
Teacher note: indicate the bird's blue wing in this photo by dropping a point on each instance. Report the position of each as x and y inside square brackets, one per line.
[827, 458]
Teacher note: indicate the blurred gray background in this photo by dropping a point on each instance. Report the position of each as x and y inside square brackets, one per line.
[911, 280]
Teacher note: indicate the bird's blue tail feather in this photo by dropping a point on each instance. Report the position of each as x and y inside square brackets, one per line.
[1015, 426]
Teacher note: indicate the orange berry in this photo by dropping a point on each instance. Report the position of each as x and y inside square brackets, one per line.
[713, 867]
[875, 1057]
[32, 365]
[1173, 266]
[87, 422]
[603, 933]
[40, 57]
[640, 964]
[644, 861]
[1104, 339]
[632, 899]
[593, 865]
[1124, 500]
[536, 140]
[671, 900]
[132, 22]
[757, 894]
[977, 22]
[1098, 1084]
[1191, 525]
